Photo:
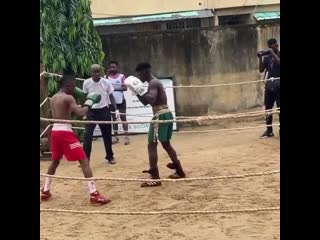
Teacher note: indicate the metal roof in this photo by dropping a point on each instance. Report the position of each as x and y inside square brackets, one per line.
[267, 16]
[153, 18]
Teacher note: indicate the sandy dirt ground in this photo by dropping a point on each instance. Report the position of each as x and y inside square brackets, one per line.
[202, 154]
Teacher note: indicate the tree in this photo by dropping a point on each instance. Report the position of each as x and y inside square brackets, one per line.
[69, 38]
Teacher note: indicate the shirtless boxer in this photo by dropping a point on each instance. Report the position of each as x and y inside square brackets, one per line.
[64, 141]
[156, 97]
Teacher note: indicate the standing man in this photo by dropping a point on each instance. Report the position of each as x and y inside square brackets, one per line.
[156, 97]
[271, 65]
[99, 112]
[64, 141]
[117, 81]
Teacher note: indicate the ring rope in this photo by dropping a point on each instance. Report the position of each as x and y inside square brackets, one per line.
[195, 119]
[186, 86]
[178, 117]
[44, 101]
[164, 212]
[200, 131]
[45, 130]
[165, 179]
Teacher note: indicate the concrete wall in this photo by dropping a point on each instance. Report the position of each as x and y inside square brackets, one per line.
[103, 8]
[204, 56]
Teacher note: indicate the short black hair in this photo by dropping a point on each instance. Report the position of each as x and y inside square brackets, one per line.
[66, 78]
[272, 41]
[143, 66]
[113, 62]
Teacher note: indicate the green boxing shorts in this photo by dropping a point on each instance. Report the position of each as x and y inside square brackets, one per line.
[161, 131]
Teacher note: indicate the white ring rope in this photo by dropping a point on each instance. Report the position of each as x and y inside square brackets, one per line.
[205, 212]
[184, 117]
[45, 130]
[176, 117]
[195, 119]
[201, 131]
[188, 86]
[44, 101]
[164, 179]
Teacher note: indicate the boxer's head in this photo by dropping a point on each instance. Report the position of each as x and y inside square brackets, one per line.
[95, 72]
[113, 67]
[144, 71]
[272, 43]
[68, 84]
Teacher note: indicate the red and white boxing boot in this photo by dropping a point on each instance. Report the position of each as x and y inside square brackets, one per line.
[45, 195]
[95, 197]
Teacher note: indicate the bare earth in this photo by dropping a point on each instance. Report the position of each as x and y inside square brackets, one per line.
[202, 154]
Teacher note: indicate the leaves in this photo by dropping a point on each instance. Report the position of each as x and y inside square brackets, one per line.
[69, 38]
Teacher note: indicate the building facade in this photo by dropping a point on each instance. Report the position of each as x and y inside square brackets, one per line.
[195, 44]
[103, 8]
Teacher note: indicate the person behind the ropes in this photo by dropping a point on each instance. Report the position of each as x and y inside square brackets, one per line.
[117, 80]
[271, 65]
[156, 97]
[99, 112]
[64, 141]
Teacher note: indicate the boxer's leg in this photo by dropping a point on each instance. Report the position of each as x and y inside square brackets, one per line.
[175, 162]
[74, 152]
[57, 153]
[165, 134]
[45, 193]
[153, 158]
[95, 196]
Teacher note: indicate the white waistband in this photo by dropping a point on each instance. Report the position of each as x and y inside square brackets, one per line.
[62, 127]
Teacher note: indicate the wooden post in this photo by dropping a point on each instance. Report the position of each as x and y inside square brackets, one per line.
[46, 105]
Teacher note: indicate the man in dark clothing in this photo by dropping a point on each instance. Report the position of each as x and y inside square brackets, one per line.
[271, 65]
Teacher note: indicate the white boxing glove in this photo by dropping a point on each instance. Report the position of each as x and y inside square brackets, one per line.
[135, 85]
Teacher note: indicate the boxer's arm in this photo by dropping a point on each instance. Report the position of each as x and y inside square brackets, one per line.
[151, 96]
[76, 109]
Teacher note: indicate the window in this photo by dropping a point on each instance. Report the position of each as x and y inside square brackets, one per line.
[234, 19]
[189, 23]
[175, 25]
[193, 23]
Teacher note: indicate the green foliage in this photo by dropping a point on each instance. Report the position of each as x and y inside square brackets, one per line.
[69, 41]
[69, 38]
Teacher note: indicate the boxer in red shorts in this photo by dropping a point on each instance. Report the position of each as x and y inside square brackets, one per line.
[64, 141]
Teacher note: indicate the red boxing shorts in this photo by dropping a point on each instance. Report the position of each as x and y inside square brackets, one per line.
[65, 142]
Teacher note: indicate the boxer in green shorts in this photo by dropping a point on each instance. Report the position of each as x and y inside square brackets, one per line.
[162, 132]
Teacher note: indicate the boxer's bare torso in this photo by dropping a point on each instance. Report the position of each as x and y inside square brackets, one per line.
[157, 90]
[62, 105]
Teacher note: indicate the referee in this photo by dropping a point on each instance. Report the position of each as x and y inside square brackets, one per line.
[99, 112]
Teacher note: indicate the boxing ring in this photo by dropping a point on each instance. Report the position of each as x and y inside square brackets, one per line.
[199, 120]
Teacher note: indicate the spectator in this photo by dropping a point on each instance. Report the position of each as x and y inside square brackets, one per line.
[271, 66]
[117, 81]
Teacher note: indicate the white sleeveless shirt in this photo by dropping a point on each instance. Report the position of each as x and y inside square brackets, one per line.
[118, 81]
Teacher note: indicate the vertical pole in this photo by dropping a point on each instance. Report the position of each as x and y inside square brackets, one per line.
[46, 105]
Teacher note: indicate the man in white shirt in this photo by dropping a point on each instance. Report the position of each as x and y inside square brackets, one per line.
[99, 112]
[117, 80]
